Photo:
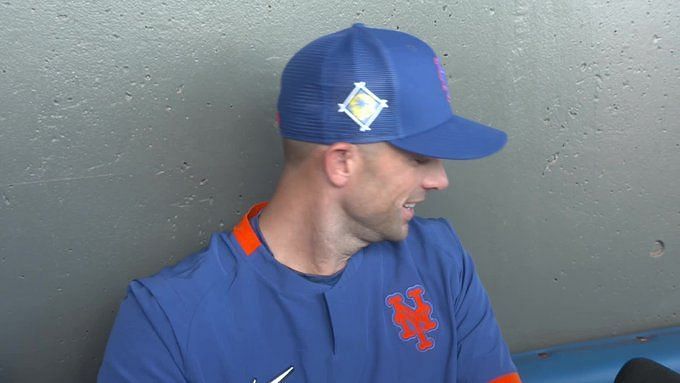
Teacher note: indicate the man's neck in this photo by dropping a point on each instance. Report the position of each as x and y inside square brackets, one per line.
[306, 233]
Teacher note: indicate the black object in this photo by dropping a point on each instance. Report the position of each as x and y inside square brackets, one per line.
[643, 370]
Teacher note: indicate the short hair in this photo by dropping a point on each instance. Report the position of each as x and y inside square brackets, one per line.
[295, 152]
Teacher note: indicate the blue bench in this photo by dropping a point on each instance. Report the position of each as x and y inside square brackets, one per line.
[598, 361]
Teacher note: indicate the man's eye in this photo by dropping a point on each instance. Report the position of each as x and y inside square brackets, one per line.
[421, 160]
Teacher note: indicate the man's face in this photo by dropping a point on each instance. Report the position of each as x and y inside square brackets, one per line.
[388, 185]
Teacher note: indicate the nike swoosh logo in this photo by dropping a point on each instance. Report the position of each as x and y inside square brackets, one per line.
[279, 378]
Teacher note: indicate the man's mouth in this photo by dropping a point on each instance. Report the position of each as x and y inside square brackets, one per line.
[409, 210]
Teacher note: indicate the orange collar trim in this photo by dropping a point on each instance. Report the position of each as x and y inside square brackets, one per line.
[244, 233]
[512, 377]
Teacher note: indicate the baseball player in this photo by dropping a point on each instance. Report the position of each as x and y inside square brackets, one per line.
[334, 279]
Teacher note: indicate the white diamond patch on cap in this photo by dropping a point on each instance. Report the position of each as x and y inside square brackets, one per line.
[362, 106]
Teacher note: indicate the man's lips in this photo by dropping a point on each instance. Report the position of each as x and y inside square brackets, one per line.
[411, 204]
[409, 209]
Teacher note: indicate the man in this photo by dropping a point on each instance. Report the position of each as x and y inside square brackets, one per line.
[334, 280]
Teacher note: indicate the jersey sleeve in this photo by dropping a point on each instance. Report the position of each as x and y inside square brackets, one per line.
[142, 346]
[483, 356]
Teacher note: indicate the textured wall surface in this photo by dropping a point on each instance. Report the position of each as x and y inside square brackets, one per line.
[131, 130]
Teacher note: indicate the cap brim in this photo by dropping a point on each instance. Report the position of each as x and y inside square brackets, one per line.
[456, 139]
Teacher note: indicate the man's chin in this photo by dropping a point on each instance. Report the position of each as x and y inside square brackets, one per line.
[398, 235]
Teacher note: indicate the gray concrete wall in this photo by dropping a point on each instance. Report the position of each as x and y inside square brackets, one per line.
[129, 131]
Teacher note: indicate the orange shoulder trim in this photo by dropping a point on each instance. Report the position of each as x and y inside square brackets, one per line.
[508, 378]
[244, 233]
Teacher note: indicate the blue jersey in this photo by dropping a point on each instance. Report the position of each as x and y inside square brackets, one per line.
[408, 311]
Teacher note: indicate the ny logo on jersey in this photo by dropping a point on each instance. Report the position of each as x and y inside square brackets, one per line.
[413, 322]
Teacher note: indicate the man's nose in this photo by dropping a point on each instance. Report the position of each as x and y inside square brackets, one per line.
[436, 178]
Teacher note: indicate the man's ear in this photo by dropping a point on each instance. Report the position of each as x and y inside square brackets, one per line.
[341, 160]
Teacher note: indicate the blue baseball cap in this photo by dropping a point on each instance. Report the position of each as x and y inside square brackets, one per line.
[363, 85]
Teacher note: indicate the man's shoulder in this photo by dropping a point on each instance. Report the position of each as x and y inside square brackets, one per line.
[184, 285]
[433, 243]
[433, 232]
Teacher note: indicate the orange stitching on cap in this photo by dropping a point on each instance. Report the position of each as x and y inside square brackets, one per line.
[508, 378]
[244, 233]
